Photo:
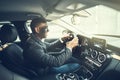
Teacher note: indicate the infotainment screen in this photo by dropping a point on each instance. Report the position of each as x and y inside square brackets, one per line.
[100, 43]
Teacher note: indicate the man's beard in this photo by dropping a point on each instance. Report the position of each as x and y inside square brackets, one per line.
[42, 34]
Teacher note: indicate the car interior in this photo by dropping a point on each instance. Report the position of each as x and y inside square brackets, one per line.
[94, 22]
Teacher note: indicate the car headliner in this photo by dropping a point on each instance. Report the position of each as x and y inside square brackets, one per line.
[12, 10]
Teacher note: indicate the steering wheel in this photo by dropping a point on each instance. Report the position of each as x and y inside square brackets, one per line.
[70, 37]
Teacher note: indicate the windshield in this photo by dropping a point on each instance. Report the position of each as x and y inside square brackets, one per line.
[100, 20]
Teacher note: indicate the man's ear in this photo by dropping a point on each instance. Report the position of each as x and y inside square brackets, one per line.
[37, 29]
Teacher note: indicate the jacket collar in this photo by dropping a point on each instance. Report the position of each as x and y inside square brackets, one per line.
[36, 38]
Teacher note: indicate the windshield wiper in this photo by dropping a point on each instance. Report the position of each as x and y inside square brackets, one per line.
[116, 36]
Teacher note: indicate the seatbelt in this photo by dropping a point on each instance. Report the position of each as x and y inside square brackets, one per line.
[2, 47]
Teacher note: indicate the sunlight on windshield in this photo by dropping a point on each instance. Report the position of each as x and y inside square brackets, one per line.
[103, 20]
[54, 30]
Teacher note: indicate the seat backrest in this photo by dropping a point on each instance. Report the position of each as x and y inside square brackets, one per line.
[11, 54]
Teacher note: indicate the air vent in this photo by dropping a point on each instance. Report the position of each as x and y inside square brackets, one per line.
[101, 57]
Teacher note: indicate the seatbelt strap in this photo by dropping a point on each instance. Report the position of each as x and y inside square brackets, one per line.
[2, 47]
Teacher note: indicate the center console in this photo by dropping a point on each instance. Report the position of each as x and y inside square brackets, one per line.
[94, 59]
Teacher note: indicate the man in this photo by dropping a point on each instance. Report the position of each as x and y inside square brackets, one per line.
[36, 53]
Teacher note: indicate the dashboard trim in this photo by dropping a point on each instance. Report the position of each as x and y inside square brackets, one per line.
[115, 56]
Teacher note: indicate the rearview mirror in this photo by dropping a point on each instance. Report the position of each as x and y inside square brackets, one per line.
[77, 15]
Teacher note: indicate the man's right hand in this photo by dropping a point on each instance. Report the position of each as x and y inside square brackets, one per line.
[73, 43]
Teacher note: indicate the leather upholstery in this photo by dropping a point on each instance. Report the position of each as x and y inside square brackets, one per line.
[12, 55]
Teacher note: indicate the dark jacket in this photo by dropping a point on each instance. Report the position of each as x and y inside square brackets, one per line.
[36, 54]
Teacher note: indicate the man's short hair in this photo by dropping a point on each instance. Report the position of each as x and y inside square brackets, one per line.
[35, 22]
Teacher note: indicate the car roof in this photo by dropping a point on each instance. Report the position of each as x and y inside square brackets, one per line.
[12, 10]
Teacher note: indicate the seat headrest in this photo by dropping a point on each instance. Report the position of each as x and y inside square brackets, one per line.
[8, 33]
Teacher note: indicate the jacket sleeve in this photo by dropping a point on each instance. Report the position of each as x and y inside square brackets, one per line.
[40, 57]
[54, 44]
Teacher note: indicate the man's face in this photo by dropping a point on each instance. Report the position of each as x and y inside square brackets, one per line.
[42, 30]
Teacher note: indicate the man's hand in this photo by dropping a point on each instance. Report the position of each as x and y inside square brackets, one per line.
[67, 37]
[73, 43]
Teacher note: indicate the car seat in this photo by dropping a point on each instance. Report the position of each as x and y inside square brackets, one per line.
[11, 54]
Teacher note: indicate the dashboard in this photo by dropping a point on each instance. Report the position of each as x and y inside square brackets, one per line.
[94, 58]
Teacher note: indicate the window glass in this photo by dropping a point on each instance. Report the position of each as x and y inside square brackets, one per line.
[55, 31]
[103, 20]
